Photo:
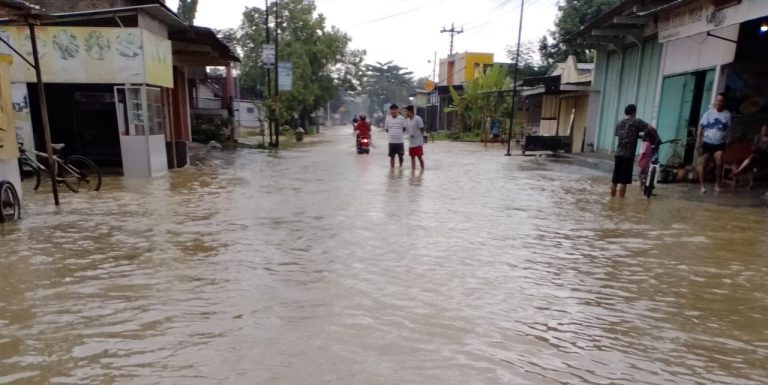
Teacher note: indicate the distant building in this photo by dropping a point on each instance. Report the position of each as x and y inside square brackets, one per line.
[455, 70]
[557, 104]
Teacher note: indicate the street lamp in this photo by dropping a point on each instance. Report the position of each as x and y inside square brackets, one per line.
[514, 82]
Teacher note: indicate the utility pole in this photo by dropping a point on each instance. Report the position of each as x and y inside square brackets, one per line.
[277, 64]
[453, 31]
[514, 82]
[269, 73]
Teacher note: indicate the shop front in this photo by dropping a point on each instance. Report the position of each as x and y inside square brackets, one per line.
[86, 71]
[712, 47]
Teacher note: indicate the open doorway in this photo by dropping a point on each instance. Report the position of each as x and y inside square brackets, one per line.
[83, 117]
[684, 98]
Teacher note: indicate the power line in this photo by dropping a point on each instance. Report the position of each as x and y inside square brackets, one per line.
[401, 13]
[487, 23]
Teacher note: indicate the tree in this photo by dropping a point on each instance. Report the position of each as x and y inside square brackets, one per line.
[530, 66]
[386, 83]
[349, 74]
[572, 15]
[480, 99]
[421, 82]
[314, 50]
[187, 10]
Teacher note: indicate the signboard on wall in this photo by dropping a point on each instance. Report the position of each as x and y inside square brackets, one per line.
[158, 60]
[92, 55]
[8, 146]
[707, 15]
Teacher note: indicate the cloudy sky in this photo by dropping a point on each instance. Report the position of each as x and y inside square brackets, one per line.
[408, 31]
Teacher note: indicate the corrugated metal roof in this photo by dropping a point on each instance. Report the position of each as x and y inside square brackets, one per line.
[21, 5]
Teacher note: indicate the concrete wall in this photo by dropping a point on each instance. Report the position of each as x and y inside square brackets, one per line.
[248, 114]
[699, 51]
[151, 24]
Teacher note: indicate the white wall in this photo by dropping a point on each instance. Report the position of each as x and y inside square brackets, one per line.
[22, 115]
[699, 51]
[9, 170]
[245, 118]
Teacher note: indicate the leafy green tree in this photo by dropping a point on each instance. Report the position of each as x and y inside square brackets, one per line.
[530, 65]
[481, 100]
[187, 10]
[314, 50]
[349, 74]
[572, 15]
[386, 83]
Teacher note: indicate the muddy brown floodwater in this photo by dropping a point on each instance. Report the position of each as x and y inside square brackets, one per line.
[319, 266]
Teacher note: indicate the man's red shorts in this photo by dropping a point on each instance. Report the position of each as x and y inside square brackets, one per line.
[416, 151]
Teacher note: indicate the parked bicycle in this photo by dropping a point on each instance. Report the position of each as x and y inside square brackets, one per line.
[650, 176]
[10, 206]
[76, 172]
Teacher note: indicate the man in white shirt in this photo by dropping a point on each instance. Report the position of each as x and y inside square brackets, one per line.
[710, 140]
[415, 128]
[395, 127]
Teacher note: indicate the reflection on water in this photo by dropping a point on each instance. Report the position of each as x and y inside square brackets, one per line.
[318, 265]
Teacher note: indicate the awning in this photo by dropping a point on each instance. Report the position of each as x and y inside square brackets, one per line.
[199, 46]
[624, 23]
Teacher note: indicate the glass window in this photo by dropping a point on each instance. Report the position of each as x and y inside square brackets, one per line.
[135, 111]
[155, 111]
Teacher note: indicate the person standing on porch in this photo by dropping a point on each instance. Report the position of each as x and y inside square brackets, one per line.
[710, 141]
[628, 131]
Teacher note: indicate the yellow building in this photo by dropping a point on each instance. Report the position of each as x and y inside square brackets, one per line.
[462, 67]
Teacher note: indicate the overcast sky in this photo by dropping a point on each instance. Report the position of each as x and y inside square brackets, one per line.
[408, 31]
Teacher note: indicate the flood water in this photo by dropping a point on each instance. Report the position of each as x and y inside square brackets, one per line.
[316, 265]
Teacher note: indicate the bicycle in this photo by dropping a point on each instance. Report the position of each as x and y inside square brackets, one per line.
[75, 171]
[650, 176]
[10, 206]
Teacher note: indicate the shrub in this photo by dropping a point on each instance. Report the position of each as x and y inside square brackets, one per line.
[209, 128]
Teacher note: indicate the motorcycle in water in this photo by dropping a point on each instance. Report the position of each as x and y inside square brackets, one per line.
[363, 144]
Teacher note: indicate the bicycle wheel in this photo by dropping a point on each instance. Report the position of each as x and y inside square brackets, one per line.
[10, 206]
[29, 170]
[78, 172]
[651, 183]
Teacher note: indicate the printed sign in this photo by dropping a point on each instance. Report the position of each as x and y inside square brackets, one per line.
[285, 76]
[92, 55]
[268, 55]
[702, 16]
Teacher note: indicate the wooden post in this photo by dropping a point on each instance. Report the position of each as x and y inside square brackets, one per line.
[44, 113]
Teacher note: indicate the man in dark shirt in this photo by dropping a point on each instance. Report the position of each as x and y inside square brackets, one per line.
[628, 131]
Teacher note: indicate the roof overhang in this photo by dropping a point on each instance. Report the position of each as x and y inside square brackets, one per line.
[561, 89]
[159, 11]
[626, 23]
[199, 46]
[21, 11]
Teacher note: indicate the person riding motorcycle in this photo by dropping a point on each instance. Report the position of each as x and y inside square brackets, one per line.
[363, 130]
[363, 127]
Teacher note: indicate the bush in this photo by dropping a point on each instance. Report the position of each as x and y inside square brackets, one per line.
[209, 128]
[454, 135]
